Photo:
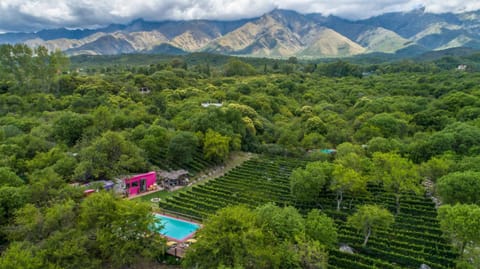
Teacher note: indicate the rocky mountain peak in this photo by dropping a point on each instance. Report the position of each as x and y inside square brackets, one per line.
[279, 33]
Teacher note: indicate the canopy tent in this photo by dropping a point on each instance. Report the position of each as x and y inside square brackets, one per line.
[171, 243]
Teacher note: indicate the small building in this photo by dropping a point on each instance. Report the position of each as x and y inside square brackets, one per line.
[462, 67]
[170, 179]
[367, 74]
[208, 104]
[140, 183]
[144, 90]
[107, 184]
[94, 186]
[328, 151]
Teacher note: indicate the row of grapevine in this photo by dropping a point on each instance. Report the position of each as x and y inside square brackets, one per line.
[255, 182]
[414, 239]
[197, 164]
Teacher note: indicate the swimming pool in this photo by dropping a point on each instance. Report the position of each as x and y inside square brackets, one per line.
[175, 228]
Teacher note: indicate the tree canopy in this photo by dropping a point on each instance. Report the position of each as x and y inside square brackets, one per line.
[370, 218]
[268, 237]
[461, 223]
[67, 232]
[373, 126]
[398, 175]
[307, 184]
[460, 187]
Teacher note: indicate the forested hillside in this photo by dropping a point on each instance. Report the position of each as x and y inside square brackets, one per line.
[395, 126]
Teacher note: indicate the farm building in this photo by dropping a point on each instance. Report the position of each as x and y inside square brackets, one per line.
[140, 183]
[170, 179]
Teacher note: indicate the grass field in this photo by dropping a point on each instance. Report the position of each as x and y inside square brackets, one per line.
[159, 194]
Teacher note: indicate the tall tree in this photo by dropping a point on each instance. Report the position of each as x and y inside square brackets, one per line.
[182, 147]
[437, 167]
[12, 199]
[108, 156]
[460, 187]
[9, 178]
[397, 174]
[216, 146]
[348, 148]
[119, 228]
[100, 231]
[231, 239]
[370, 218]
[307, 184]
[461, 223]
[268, 237]
[69, 127]
[346, 180]
[312, 255]
[319, 227]
[236, 67]
[21, 255]
[284, 223]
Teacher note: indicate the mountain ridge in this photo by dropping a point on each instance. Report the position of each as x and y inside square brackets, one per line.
[277, 34]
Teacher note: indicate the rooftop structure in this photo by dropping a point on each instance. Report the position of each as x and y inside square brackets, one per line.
[175, 178]
[208, 104]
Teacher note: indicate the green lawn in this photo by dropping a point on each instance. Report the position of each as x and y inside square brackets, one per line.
[159, 194]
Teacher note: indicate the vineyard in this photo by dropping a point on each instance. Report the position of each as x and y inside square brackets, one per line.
[413, 240]
[197, 164]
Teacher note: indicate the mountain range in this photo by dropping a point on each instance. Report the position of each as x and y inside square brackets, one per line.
[277, 34]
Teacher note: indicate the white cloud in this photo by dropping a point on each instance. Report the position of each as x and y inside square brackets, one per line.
[30, 15]
[452, 5]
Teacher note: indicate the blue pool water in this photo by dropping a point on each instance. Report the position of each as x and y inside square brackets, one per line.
[175, 228]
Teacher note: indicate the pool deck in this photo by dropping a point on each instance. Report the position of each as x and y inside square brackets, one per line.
[177, 251]
[180, 240]
[130, 197]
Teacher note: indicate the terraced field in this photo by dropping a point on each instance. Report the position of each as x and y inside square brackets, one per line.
[414, 239]
[197, 164]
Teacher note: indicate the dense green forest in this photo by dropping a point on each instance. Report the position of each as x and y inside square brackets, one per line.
[394, 125]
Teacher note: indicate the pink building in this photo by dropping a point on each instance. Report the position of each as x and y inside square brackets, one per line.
[140, 183]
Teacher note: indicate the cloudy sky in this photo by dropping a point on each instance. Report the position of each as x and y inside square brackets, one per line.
[32, 15]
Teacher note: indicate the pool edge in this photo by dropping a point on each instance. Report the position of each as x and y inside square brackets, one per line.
[184, 220]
